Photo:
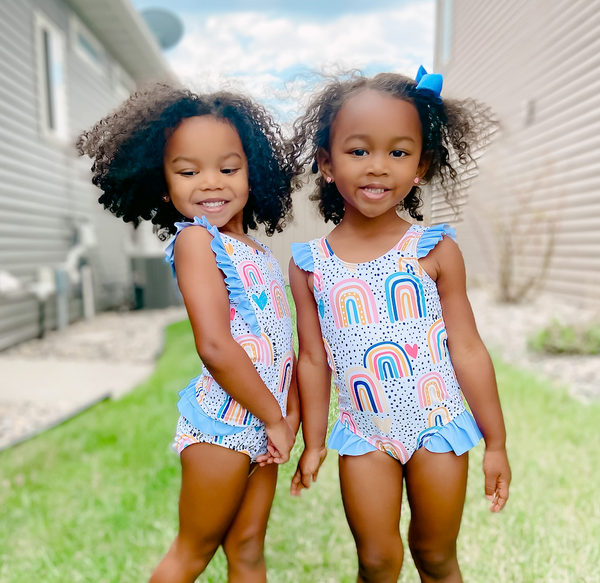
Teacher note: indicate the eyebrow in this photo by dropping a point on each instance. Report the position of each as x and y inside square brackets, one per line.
[193, 160]
[366, 137]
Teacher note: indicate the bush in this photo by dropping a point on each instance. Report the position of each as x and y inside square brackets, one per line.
[559, 338]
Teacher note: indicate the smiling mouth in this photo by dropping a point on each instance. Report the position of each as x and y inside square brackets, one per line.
[213, 204]
[374, 193]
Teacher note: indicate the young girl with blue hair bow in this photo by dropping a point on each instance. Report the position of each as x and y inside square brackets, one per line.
[382, 305]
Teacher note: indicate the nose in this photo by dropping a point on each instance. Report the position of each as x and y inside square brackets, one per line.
[378, 164]
[210, 180]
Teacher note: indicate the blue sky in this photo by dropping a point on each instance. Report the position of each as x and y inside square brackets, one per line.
[270, 47]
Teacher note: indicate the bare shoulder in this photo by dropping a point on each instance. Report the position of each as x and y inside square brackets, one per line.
[445, 259]
[193, 240]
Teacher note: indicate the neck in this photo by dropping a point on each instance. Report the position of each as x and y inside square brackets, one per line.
[373, 227]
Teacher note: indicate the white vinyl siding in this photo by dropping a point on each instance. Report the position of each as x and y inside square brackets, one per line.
[45, 190]
[536, 64]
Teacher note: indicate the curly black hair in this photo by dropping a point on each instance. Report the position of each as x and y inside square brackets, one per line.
[127, 148]
[453, 132]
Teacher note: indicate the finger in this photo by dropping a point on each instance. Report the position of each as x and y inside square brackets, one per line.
[491, 481]
[306, 479]
[501, 497]
[297, 485]
[314, 476]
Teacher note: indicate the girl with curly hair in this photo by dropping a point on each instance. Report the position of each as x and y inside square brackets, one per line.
[381, 303]
[207, 168]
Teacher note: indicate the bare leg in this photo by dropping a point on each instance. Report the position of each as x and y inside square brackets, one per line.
[436, 485]
[372, 495]
[245, 541]
[213, 483]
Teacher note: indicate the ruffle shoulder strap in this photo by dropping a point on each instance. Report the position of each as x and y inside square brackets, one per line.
[303, 256]
[432, 236]
[235, 287]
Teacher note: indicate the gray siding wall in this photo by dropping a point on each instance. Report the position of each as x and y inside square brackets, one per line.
[537, 65]
[44, 189]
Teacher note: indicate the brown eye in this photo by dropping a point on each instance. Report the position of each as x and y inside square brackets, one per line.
[397, 154]
[358, 152]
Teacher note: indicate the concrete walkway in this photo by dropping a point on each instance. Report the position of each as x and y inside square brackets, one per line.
[44, 382]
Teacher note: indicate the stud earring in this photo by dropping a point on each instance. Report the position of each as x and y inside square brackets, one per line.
[166, 198]
[417, 180]
[329, 180]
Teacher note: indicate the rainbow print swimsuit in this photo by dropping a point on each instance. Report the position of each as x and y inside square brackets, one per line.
[386, 344]
[260, 322]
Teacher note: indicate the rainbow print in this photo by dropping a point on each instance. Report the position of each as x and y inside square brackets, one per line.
[324, 248]
[317, 281]
[365, 390]
[437, 340]
[202, 387]
[426, 434]
[410, 265]
[388, 360]
[329, 354]
[431, 389]
[233, 412]
[250, 274]
[267, 349]
[347, 420]
[352, 303]
[405, 297]
[258, 348]
[285, 372]
[391, 447]
[282, 309]
[408, 244]
[439, 417]
[183, 441]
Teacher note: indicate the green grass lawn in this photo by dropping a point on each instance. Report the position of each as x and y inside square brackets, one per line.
[95, 499]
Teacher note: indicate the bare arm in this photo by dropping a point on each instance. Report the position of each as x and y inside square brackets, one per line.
[472, 364]
[314, 380]
[207, 302]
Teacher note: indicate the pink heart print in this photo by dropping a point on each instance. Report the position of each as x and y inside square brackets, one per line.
[232, 314]
[411, 350]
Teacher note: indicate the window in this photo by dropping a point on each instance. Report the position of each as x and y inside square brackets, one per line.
[86, 46]
[51, 88]
[446, 31]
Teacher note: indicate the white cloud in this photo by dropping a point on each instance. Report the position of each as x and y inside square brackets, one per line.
[262, 52]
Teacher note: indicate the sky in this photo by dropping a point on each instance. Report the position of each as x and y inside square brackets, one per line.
[271, 48]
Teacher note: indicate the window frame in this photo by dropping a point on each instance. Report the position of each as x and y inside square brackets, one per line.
[77, 29]
[51, 70]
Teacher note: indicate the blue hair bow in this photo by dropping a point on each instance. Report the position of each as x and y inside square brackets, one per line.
[429, 83]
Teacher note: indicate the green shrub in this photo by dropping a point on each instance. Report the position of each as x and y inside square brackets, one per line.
[560, 338]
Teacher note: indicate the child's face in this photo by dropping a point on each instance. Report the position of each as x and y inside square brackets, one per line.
[375, 152]
[207, 171]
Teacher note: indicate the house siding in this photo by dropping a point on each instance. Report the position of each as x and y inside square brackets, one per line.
[536, 65]
[45, 190]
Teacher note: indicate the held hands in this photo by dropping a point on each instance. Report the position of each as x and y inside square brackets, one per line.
[280, 440]
[308, 467]
[497, 477]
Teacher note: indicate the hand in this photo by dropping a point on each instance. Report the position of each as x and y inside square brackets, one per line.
[308, 467]
[280, 440]
[497, 478]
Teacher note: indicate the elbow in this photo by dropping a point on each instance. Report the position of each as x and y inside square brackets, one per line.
[211, 351]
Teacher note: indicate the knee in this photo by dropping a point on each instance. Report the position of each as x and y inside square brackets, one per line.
[193, 556]
[245, 550]
[381, 562]
[436, 564]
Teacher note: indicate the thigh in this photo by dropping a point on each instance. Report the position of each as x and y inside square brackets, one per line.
[252, 516]
[214, 480]
[372, 495]
[436, 486]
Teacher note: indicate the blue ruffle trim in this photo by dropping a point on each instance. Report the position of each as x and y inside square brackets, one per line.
[432, 236]
[190, 408]
[459, 436]
[235, 287]
[303, 256]
[347, 442]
